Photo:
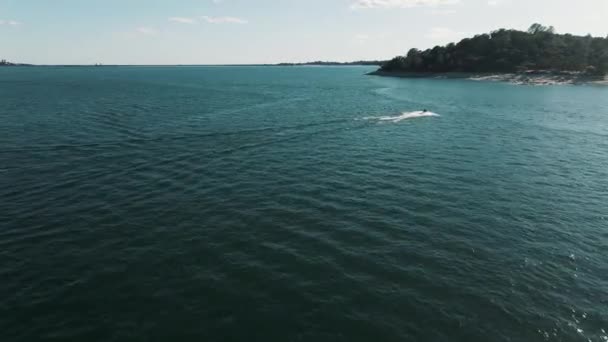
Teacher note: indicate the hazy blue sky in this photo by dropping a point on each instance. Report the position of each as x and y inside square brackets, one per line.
[264, 31]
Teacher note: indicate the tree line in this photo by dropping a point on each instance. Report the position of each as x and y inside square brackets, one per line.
[329, 63]
[539, 48]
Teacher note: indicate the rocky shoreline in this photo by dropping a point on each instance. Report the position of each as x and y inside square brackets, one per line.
[535, 78]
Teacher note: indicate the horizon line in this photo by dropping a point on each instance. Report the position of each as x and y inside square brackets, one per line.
[194, 65]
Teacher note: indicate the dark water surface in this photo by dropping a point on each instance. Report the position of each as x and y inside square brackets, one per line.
[276, 204]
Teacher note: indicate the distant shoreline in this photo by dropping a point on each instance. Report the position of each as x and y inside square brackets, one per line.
[536, 78]
[321, 63]
[184, 65]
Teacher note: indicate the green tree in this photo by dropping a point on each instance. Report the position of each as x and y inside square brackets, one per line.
[538, 48]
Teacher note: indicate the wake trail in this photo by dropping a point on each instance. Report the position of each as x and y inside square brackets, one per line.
[403, 116]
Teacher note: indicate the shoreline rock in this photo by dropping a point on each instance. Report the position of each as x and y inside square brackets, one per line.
[532, 77]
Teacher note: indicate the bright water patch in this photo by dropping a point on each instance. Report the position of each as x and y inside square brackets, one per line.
[403, 116]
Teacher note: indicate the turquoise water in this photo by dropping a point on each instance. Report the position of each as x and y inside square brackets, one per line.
[291, 204]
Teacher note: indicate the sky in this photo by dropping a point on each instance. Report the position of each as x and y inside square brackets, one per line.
[265, 31]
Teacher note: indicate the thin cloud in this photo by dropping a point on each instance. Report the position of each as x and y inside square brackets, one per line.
[445, 34]
[183, 20]
[494, 3]
[362, 38]
[367, 4]
[9, 22]
[224, 20]
[443, 12]
[146, 30]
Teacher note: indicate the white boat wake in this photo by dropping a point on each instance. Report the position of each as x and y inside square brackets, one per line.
[403, 116]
